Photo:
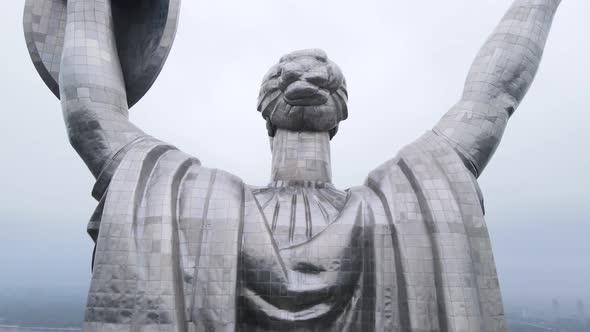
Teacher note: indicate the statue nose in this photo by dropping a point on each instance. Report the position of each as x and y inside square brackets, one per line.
[312, 72]
[290, 73]
[328, 77]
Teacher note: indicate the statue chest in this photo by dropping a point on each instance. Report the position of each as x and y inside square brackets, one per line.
[302, 254]
[295, 215]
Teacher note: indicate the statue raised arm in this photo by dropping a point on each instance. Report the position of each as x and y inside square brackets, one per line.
[497, 82]
[182, 247]
[92, 86]
[99, 58]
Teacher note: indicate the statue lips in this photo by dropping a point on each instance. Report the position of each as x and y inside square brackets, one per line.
[302, 93]
[306, 117]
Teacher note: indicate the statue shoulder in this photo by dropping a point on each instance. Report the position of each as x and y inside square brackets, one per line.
[429, 153]
[147, 158]
[425, 169]
[216, 186]
[226, 182]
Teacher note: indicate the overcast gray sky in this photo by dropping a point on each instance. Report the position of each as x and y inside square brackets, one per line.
[405, 62]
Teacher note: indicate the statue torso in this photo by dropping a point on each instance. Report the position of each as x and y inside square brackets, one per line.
[302, 259]
[181, 244]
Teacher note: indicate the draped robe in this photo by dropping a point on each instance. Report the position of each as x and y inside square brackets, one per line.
[181, 247]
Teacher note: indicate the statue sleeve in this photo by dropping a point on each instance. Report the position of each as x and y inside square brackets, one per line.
[439, 240]
[497, 82]
[161, 219]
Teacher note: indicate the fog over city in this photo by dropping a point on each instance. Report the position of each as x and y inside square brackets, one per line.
[405, 63]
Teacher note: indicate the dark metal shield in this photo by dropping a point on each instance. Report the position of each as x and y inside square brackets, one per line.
[144, 30]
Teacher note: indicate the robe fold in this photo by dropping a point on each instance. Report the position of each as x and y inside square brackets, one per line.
[181, 247]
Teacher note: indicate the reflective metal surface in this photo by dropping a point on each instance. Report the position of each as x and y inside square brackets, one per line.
[145, 32]
[181, 247]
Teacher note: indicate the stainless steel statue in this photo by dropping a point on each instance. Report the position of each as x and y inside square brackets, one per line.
[182, 247]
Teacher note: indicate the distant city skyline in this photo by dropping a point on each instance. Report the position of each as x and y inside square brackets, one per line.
[28, 309]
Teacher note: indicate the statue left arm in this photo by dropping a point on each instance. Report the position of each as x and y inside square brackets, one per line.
[92, 86]
[498, 81]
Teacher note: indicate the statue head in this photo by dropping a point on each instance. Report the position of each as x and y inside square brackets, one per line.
[305, 91]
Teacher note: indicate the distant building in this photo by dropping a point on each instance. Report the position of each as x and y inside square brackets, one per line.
[580, 313]
[556, 310]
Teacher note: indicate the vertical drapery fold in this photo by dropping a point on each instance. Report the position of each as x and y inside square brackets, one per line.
[181, 247]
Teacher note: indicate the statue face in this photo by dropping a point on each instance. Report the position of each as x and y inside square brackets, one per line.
[305, 91]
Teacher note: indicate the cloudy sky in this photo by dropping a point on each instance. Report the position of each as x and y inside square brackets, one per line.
[405, 62]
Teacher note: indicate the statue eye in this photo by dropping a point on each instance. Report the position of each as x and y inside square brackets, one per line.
[317, 79]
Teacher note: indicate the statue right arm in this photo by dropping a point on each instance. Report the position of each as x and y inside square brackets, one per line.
[497, 82]
[92, 88]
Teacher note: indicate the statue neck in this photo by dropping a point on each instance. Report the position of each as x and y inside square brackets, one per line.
[301, 157]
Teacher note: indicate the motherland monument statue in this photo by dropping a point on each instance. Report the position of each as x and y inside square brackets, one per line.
[182, 247]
